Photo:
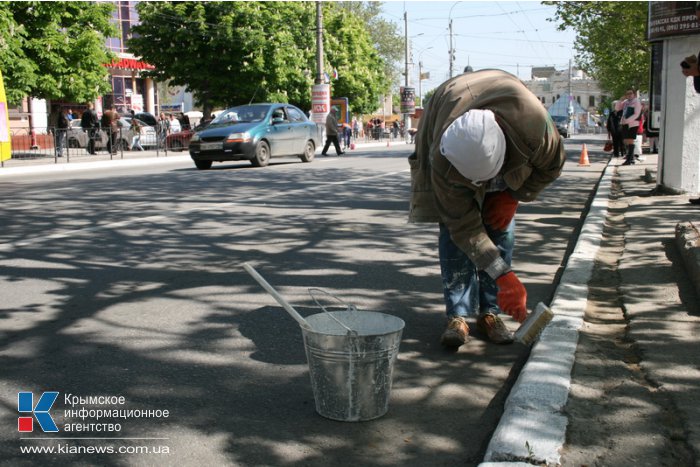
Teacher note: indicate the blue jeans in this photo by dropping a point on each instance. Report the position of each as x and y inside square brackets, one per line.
[468, 291]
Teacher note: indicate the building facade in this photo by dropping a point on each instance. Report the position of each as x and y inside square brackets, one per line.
[130, 91]
[549, 84]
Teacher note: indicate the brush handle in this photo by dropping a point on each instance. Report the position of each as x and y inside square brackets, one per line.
[302, 322]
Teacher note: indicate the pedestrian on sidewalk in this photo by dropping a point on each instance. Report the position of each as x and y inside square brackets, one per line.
[332, 133]
[484, 144]
[60, 132]
[136, 139]
[110, 126]
[631, 113]
[163, 129]
[615, 130]
[91, 125]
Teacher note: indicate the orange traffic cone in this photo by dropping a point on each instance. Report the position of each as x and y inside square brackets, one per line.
[583, 160]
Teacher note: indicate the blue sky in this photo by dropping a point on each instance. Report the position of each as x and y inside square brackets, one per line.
[512, 36]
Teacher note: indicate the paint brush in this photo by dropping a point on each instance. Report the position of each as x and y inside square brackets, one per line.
[533, 324]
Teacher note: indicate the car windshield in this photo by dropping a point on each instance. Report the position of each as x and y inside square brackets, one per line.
[242, 114]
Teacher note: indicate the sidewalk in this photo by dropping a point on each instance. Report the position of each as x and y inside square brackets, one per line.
[614, 378]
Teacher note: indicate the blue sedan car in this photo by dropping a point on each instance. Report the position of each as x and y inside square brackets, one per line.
[255, 132]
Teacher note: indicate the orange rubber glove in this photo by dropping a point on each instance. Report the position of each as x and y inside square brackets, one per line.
[512, 296]
[499, 209]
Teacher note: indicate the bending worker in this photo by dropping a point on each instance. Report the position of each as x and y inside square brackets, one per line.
[484, 143]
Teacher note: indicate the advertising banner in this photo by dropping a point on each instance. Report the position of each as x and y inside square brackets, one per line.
[408, 100]
[320, 102]
[668, 19]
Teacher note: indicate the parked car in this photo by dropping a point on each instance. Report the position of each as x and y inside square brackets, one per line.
[146, 117]
[77, 138]
[256, 133]
[562, 124]
[149, 139]
[181, 140]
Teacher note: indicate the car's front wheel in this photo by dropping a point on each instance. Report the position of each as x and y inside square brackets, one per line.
[262, 155]
[309, 152]
[203, 165]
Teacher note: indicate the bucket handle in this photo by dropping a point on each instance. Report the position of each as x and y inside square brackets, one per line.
[349, 306]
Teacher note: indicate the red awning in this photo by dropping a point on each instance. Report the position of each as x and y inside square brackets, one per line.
[130, 64]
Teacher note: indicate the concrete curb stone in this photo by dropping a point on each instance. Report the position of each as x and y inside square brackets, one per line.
[534, 409]
[688, 244]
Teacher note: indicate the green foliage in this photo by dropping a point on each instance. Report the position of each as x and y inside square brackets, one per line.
[386, 39]
[427, 96]
[349, 49]
[611, 41]
[229, 53]
[55, 50]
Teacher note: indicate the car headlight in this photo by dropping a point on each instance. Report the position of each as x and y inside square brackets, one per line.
[195, 137]
[238, 138]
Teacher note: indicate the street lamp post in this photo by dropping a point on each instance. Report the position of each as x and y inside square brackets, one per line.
[452, 50]
[420, 75]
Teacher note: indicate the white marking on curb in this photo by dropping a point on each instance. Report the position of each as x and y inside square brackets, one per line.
[534, 408]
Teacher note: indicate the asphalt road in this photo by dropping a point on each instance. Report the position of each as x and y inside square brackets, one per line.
[128, 283]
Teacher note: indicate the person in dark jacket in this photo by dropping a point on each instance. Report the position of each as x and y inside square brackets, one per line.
[484, 144]
[91, 125]
[60, 132]
[332, 134]
[614, 129]
[110, 125]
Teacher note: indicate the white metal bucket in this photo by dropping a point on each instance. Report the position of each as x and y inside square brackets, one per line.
[351, 371]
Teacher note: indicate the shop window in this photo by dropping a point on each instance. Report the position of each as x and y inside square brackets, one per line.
[117, 85]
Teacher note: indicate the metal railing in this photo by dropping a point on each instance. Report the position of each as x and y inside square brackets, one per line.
[62, 144]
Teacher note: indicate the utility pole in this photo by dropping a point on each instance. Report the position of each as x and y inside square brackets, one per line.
[406, 117]
[319, 44]
[420, 82]
[570, 108]
[452, 52]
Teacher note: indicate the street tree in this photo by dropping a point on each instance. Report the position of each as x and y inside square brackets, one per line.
[611, 41]
[387, 40]
[230, 53]
[55, 50]
[227, 53]
[349, 49]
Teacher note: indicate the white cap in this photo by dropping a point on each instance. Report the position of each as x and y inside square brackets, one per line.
[475, 145]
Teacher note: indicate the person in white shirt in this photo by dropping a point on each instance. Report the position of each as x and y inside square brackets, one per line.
[174, 125]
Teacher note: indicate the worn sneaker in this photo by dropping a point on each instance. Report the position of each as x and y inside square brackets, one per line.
[493, 327]
[457, 332]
